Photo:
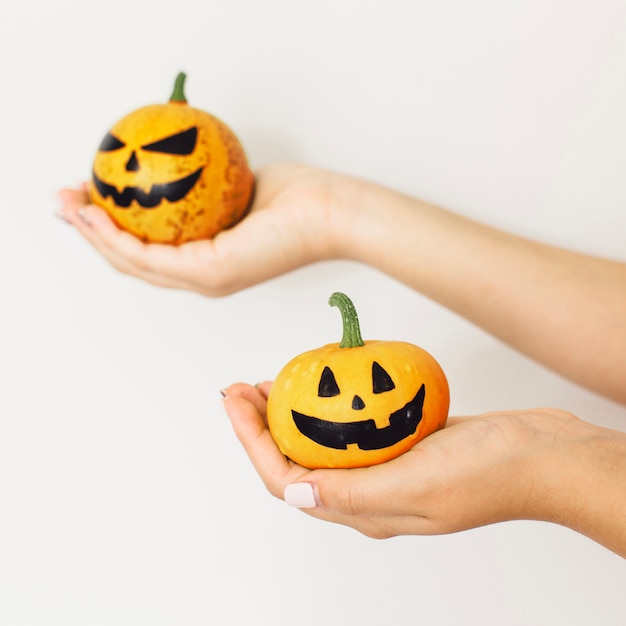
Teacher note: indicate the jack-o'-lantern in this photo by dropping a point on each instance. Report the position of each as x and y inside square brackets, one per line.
[171, 173]
[356, 403]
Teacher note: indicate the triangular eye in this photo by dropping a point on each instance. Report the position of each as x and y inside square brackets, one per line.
[328, 386]
[180, 143]
[381, 380]
[110, 143]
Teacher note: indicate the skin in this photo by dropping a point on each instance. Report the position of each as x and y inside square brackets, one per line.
[563, 309]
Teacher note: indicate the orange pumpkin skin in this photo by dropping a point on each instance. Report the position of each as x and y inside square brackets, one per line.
[294, 396]
[218, 199]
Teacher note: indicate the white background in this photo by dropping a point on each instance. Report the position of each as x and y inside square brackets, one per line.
[124, 496]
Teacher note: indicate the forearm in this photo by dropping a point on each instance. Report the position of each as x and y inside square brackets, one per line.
[566, 310]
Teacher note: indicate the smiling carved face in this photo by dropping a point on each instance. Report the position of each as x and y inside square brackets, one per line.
[353, 407]
[170, 173]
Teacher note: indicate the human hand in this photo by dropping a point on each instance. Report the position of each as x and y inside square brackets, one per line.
[290, 224]
[476, 471]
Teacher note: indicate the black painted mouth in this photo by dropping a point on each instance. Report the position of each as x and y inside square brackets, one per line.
[173, 192]
[365, 434]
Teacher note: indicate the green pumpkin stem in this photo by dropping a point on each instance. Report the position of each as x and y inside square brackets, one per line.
[351, 329]
[178, 95]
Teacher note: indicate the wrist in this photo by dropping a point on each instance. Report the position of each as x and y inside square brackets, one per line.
[365, 219]
[579, 472]
[404, 237]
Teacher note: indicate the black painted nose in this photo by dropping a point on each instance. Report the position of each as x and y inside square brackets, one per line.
[132, 165]
[357, 403]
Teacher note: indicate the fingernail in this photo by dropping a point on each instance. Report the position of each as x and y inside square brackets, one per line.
[223, 393]
[60, 215]
[300, 495]
[83, 216]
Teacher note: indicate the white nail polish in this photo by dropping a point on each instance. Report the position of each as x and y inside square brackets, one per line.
[60, 215]
[300, 495]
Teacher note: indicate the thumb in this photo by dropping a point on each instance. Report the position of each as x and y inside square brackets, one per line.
[369, 491]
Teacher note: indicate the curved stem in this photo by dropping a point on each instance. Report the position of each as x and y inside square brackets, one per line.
[178, 94]
[351, 330]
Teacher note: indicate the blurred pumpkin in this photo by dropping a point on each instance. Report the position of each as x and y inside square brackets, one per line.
[355, 404]
[171, 173]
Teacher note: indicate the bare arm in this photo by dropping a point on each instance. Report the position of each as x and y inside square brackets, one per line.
[563, 309]
[566, 310]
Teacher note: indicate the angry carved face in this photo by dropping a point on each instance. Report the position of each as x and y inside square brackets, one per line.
[170, 173]
[181, 143]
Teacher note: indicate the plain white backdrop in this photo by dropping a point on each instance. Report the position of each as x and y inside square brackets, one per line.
[124, 496]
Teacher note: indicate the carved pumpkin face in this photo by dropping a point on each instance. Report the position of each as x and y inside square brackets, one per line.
[358, 405]
[170, 173]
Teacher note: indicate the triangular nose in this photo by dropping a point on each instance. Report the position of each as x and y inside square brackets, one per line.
[132, 165]
[357, 403]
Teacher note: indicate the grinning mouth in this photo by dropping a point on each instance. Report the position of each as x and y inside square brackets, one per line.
[365, 434]
[174, 191]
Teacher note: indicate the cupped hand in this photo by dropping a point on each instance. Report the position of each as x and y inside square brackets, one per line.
[290, 224]
[476, 471]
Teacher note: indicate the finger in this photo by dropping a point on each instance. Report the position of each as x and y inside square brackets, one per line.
[354, 498]
[379, 526]
[388, 489]
[275, 470]
[122, 250]
[251, 393]
[75, 195]
[161, 264]
[157, 264]
[264, 388]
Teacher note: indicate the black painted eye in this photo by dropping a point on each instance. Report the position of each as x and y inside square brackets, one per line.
[180, 143]
[110, 143]
[381, 380]
[328, 386]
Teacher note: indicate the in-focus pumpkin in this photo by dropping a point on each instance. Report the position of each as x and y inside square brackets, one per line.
[356, 403]
[171, 173]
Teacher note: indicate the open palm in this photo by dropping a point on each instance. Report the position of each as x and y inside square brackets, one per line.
[476, 471]
[287, 227]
